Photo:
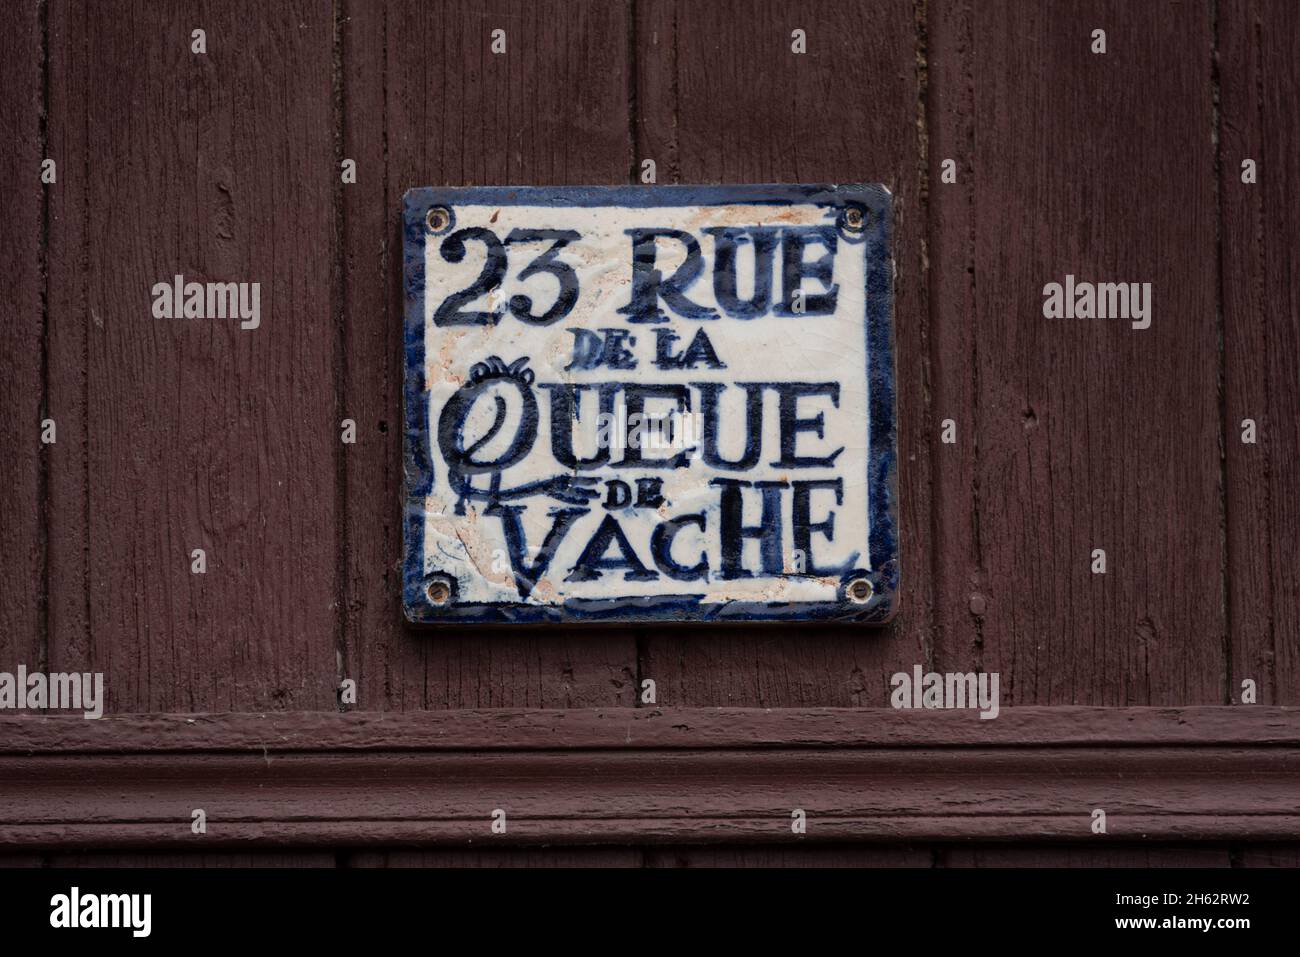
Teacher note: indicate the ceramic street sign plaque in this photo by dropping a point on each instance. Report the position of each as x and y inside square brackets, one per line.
[649, 403]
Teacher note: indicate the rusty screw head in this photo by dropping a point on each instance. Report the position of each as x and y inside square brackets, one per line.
[437, 218]
[855, 219]
[439, 591]
[860, 590]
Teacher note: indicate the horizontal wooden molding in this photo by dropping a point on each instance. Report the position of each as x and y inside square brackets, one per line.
[647, 775]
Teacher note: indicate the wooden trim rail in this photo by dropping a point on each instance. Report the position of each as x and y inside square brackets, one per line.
[649, 775]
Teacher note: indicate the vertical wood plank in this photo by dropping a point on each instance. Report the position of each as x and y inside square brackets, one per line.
[499, 857]
[1261, 340]
[67, 506]
[789, 856]
[22, 388]
[960, 600]
[128, 859]
[721, 97]
[371, 366]
[1085, 856]
[1078, 434]
[427, 103]
[1270, 855]
[194, 433]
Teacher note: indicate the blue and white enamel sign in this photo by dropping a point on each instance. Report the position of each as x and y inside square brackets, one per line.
[649, 403]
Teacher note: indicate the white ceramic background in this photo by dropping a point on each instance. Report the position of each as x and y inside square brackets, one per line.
[471, 547]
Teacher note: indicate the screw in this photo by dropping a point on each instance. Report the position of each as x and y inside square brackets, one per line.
[439, 591]
[854, 218]
[860, 590]
[437, 218]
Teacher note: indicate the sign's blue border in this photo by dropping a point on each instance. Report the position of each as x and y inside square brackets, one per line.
[882, 464]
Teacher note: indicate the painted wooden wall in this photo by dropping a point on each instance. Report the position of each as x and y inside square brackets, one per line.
[1071, 436]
